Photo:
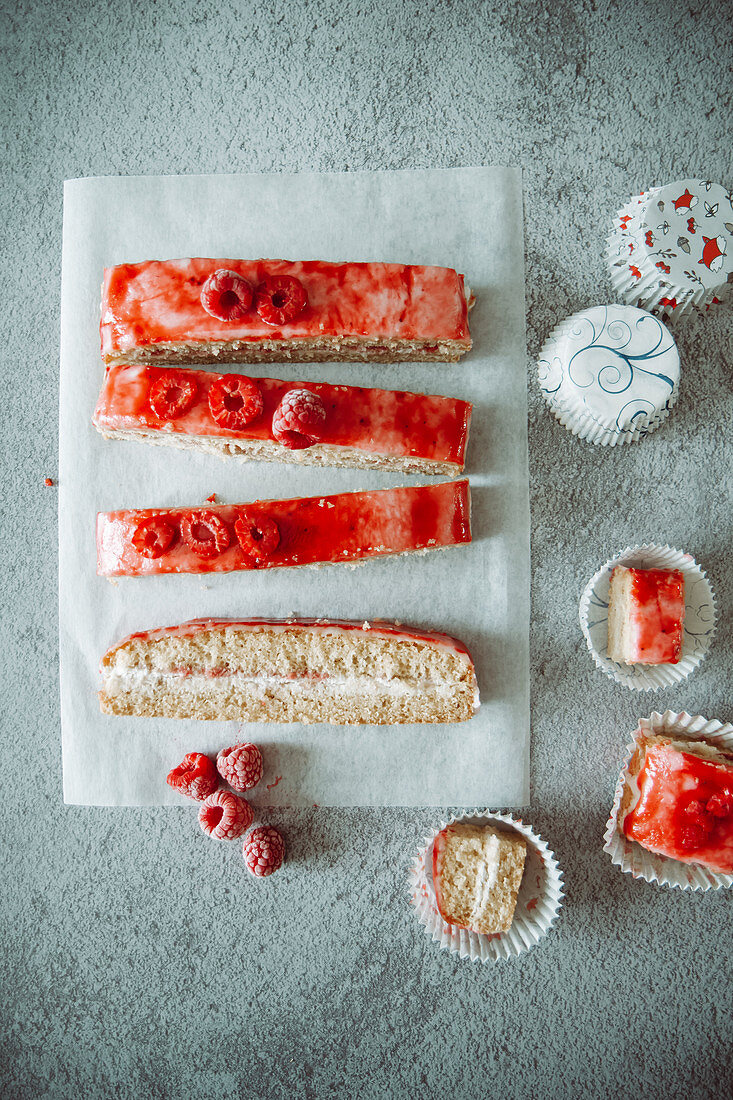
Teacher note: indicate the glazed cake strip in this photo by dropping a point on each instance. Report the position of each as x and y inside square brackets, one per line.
[253, 311]
[313, 670]
[354, 426]
[344, 527]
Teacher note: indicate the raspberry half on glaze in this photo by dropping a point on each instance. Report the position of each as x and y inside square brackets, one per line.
[240, 766]
[259, 536]
[172, 394]
[280, 299]
[196, 776]
[205, 532]
[225, 816]
[153, 537]
[235, 401]
[263, 851]
[227, 295]
[298, 419]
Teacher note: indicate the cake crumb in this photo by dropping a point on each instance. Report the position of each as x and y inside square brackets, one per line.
[211, 499]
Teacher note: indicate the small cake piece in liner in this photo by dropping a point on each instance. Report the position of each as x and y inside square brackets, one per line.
[535, 909]
[477, 872]
[678, 800]
[646, 610]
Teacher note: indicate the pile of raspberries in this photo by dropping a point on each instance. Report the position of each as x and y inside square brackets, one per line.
[223, 814]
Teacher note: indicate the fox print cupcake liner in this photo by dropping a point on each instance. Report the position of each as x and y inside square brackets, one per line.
[671, 248]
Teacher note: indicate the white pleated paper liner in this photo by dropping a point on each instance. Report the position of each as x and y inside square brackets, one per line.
[698, 626]
[630, 856]
[671, 248]
[610, 374]
[538, 903]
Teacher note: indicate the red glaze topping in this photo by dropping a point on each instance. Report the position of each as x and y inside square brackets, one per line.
[685, 808]
[343, 527]
[657, 608]
[377, 627]
[386, 422]
[159, 301]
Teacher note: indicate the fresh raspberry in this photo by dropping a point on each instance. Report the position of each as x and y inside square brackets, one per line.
[172, 394]
[235, 401]
[279, 299]
[153, 537]
[298, 419]
[196, 776]
[259, 536]
[205, 532]
[226, 295]
[241, 766]
[225, 816]
[263, 851]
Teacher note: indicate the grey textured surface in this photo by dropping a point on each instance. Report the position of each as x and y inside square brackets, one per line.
[139, 960]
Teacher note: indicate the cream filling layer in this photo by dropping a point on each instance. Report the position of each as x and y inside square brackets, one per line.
[486, 877]
[118, 682]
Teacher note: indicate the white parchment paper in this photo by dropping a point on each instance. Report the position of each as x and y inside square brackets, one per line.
[470, 219]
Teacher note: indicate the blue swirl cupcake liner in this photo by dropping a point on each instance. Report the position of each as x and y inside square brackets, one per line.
[610, 374]
[631, 857]
[671, 249]
[698, 628]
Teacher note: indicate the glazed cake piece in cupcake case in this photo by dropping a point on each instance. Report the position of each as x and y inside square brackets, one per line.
[678, 800]
[646, 610]
[299, 670]
[269, 420]
[344, 527]
[250, 311]
[477, 872]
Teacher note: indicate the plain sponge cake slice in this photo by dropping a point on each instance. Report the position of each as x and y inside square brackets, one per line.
[477, 871]
[297, 670]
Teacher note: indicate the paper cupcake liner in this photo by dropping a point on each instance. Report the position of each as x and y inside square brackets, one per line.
[646, 291]
[682, 286]
[570, 411]
[698, 628]
[538, 903]
[630, 856]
